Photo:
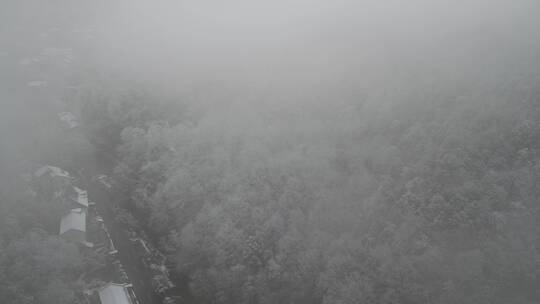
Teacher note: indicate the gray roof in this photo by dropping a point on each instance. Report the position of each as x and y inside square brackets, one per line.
[74, 220]
[82, 197]
[51, 170]
[114, 293]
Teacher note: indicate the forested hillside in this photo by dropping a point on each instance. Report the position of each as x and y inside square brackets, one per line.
[428, 196]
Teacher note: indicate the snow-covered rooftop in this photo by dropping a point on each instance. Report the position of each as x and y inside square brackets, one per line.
[74, 220]
[82, 196]
[51, 170]
[114, 293]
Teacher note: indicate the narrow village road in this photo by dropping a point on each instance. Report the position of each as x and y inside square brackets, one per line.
[127, 253]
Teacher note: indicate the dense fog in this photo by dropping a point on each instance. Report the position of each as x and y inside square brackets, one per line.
[259, 152]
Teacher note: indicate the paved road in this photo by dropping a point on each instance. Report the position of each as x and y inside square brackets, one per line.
[126, 251]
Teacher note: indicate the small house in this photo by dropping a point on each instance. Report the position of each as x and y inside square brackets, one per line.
[73, 226]
[77, 198]
[114, 293]
[52, 171]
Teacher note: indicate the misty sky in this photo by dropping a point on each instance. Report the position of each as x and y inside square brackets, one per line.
[277, 52]
[275, 42]
[296, 50]
[243, 37]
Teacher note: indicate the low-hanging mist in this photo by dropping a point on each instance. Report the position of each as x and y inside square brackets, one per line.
[331, 152]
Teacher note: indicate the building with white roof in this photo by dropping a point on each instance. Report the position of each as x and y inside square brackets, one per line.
[114, 293]
[73, 226]
[51, 171]
[77, 197]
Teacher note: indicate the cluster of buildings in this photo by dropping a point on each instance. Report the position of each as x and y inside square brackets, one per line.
[73, 223]
[55, 184]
